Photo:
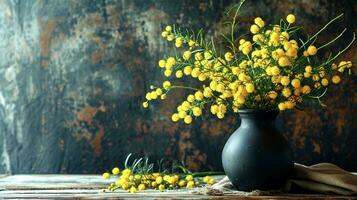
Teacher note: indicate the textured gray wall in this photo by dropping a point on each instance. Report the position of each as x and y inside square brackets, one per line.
[73, 74]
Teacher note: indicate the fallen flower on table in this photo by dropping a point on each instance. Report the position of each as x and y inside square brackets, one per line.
[140, 176]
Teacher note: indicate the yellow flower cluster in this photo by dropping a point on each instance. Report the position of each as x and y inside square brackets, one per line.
[127, 180]
[268, 70]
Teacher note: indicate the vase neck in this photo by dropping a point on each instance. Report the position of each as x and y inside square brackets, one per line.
[258, 117]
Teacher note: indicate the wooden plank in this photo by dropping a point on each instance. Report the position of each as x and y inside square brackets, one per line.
[89, 187]
[162, 195]
[36, 182]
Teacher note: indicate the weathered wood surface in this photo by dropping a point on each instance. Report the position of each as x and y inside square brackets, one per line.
[90, 187]
[73, 75]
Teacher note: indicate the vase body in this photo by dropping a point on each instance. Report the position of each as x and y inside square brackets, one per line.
[256, 155]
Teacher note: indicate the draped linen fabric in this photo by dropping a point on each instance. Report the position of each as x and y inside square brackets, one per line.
[325, 178]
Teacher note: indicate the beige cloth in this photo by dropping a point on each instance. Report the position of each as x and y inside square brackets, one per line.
[319, 178]
[324, 178]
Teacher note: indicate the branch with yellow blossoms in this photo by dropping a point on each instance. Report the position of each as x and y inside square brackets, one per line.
[269, 69]
[140, 176]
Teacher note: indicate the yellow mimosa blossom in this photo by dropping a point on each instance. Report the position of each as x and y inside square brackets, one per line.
[167, 73]
[306, 89]
[159, 180]
[175, 117]
[171, 61]
[259, 21]
[290, 18]
[202, 77]
[178, 42]
[164, 34]
[162, 63]
[228, 56]
[311, 50]
[292, 52]
[141, 187]
[295, 83]
[287, 45]
[240, 99]
[106, 175]
[286, 92]
[190, 98]
[191, 43]
[179, 74]
[277, 28]
[195, 72]
[115, 171]
[199, 95]
[186, 55]
[197, 111]
[254, 29]
[170, 38]
[220, 87]
[198, 56]
[182, 183]
[289, 105]
[153, 95]
[284, 61]
[213, 85]
[189, 178]
[308, 69]
[282, 106]
[324, 82]
[274, 38]
[297, 91]
[275, 71]
[211, 181]
[166, 84]
[272, 94]
[284, 36]
[153, 184]
[161, 187]
[249, 87]
[285, 80]
[336, 79]
[307, 74]
[133, 189]
[185, 105]
[315, 77]
[190, 184]
[247, 48]
[158, 91]
[207, 92]
[188, 119]
[187, 70]
[168, 28]
[182, 114]
[317, 85]
[206, 179]
[207, 55]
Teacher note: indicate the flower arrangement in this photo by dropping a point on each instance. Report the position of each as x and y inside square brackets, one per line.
[268, 69]
[141, 176]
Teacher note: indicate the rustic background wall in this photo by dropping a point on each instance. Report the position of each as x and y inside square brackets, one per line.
[73, 75]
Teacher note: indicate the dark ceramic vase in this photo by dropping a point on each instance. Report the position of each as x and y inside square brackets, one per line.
[257, 156]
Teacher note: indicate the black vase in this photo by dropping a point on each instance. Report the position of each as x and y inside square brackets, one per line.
[256, 156]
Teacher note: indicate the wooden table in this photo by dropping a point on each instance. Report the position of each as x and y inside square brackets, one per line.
[90, 187]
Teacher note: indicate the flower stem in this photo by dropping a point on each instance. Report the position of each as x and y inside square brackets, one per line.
[184, 87]
[323, 28]
[202, 174]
